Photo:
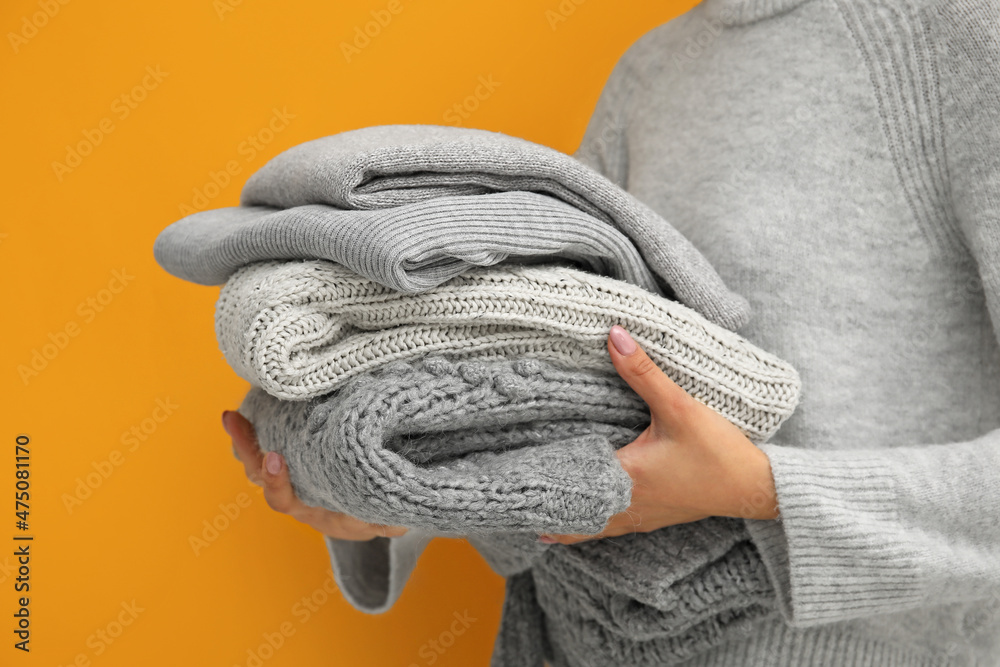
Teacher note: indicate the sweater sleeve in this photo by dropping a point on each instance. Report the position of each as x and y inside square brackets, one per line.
[371, 574]
[875, 531]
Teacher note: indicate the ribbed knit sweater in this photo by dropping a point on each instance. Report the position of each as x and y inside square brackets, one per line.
[410, 248]
[411, 205]
[838, 162]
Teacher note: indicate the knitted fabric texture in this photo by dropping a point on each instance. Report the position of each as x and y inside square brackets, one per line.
[654, 598]
[301, 329]
[502, 449]
[445, 447]
[608, 614]
[409, 248]
[838, 162]
[388, 166]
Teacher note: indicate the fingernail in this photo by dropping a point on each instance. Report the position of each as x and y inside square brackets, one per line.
[225, 421]
[545, 539]
[622, 341]
[273, 463]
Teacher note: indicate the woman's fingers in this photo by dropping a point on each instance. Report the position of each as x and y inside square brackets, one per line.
[265, 470]
[620, 524]
[278, 490]
[388, 531]
[244, 443]
[667, 401]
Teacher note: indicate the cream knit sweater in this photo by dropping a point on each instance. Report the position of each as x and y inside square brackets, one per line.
[302, 329]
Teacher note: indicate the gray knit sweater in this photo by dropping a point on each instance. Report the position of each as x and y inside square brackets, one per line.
[409, 248]
[303, 328]
[839, 164]
[412, 205]
[467, 442]
[498, 450]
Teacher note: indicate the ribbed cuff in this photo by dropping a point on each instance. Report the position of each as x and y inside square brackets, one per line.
[775, 644]
[835, 552]
[371, 574]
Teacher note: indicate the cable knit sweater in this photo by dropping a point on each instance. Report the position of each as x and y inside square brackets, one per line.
[497, 450]
[303, 328]
[838, 162]
[500, 449]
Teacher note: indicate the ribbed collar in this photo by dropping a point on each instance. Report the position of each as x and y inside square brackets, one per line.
[741, 12]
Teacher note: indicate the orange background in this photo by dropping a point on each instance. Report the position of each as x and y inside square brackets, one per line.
[105, 350]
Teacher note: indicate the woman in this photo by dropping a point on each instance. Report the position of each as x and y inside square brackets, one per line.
[839, 164]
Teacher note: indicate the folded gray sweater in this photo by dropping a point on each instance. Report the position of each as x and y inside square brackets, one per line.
[473, 447]
[409, 248]
[838, 162]
[499, 450]
[385, 179]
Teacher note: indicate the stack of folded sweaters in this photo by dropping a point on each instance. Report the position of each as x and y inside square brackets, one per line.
[422, 312]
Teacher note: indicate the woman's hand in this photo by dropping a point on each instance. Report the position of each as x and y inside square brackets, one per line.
[689, 464]
[271, 473]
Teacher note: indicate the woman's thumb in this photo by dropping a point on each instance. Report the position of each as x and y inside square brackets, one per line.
[664, 397]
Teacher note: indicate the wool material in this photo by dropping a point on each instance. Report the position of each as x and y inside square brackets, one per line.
[406, 445]
[409, 248]
[386, 166]
[838, 162]
[300, 329]
[471, 446]
[653, 598]
[496, 451]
